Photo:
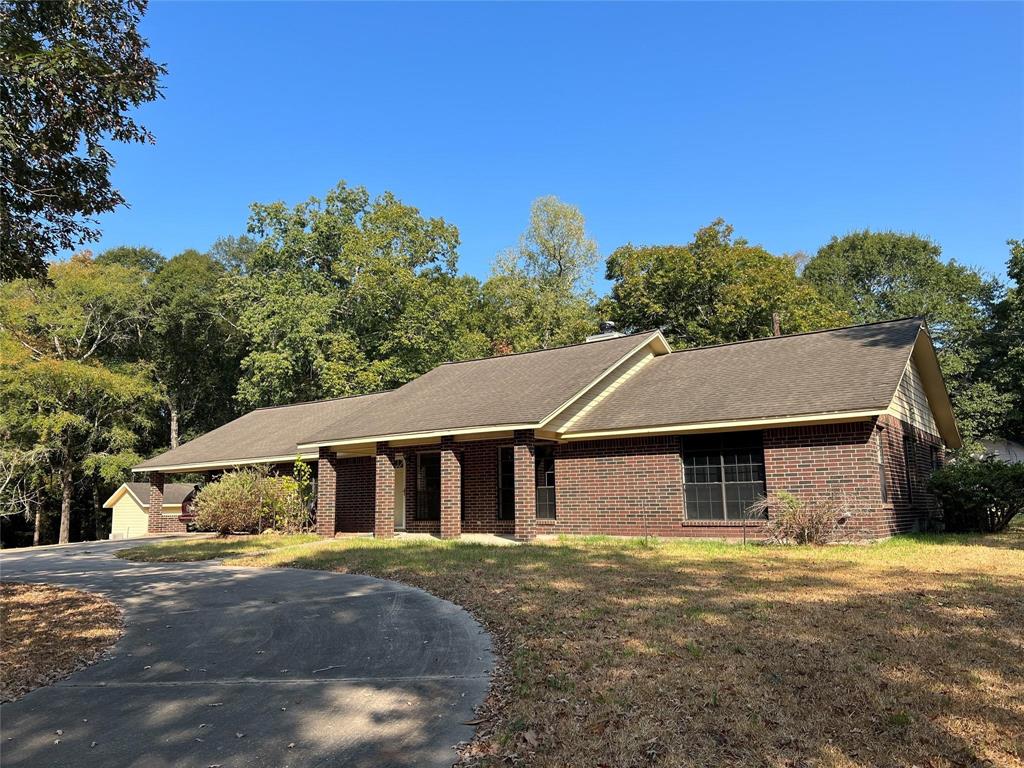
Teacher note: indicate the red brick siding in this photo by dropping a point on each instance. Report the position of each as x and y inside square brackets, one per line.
[326, 493]
[906, 511]
[158, 522]
[356, 495]
[526, 485]
[384, 492]
[451, 489]
[626, 487]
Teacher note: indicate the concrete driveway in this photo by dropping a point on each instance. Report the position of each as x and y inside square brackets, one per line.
[224, 666]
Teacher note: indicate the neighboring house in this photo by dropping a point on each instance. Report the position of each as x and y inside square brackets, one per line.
[619, 435]
[131, 508]
[1003, 449]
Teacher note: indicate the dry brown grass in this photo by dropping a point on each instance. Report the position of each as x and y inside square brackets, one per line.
[48, 632]
[698, 654]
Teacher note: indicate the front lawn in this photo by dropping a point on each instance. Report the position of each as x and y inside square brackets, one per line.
[188, 550]
[47, 632]
[629, 653]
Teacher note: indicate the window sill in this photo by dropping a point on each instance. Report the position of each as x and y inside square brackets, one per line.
[546, 521]
[722, 523]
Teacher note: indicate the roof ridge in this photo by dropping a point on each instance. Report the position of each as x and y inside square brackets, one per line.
[313, 402]
[548, 349]
[802, 333]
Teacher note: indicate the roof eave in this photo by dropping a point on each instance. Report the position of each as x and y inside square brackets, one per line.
[224, 463]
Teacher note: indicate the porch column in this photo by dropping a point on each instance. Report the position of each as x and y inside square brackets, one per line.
[326, 492]
[525, 485]
[451, 490]
[156, 502]
[384, 496]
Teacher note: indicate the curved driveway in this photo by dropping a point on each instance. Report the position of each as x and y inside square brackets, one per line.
[226, 666]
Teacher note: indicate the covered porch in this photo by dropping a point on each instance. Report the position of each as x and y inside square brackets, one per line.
[443, 486]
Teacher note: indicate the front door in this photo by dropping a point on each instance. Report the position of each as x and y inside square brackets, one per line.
[399, 493]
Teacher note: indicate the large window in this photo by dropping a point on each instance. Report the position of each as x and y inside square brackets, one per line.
[506, 483]
[544, 464]
[428, 486]
[723, 475]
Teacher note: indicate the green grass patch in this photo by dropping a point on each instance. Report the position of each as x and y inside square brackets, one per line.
[190, 550]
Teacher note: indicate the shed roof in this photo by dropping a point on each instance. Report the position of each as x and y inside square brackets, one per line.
[174, 493]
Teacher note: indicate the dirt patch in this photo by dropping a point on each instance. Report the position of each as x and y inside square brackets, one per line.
[48, 632]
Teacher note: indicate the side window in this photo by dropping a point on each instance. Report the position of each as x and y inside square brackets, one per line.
[544, 466]
[909, 459]
[881, 467]
[506, 483]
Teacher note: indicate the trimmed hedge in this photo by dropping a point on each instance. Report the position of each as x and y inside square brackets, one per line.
[979, 494]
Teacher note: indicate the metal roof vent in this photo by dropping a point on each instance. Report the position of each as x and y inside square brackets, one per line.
[606, 331]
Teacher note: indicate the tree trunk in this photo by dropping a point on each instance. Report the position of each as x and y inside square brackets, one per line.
[174, 423]
[67, 486]
[97, 509]
[35, 530]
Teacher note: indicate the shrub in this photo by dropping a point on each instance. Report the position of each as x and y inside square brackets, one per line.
[248, 501]
[979, 494]
[796, 521]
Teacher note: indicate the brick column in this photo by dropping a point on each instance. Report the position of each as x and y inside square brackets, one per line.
[384, 494]
[326, 493]
[526, 485]
[156, 502]
[451, 490]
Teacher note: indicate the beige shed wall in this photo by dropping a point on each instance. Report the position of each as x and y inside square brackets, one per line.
[129, 519]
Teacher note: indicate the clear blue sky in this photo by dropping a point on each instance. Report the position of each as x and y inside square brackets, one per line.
[794, 122]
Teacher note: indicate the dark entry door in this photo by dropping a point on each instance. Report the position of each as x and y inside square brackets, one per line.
[428, 487]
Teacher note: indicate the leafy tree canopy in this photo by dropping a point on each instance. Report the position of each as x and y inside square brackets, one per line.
[57, 396]
[539, 294]
[138, 257]
[346, 295]
[885, 275]
[70, 73]
[718, 288]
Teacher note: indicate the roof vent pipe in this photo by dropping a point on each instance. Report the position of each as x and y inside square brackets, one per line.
[607, 331]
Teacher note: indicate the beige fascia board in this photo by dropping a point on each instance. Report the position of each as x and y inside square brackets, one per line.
[201, 466]
[655, 339]
[723, 426]
[935, 389]
[117, 494]
[411, 436]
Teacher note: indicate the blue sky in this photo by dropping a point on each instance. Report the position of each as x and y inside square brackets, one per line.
[794, 122]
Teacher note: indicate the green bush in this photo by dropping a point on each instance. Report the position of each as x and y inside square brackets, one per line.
[979, 494]
[248, 501]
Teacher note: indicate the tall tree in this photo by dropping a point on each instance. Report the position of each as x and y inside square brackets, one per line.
[884, 275]
[717, 288]
[539, 295]
[70, 72]
[191, 345]
[57, 396]
[330, 297]
[139, 257]
[1007, 358]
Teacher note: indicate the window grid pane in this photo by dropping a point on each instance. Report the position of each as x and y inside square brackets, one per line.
[723, 475]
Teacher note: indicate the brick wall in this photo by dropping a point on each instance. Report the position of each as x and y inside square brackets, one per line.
[356, 494]
[326, 493]
[633, 487]
[626, 487]
[159, 522]
[451, 489]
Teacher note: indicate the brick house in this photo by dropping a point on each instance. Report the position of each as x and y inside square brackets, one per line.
[619, 435]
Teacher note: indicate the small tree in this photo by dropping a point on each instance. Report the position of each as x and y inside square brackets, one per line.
[979, 494]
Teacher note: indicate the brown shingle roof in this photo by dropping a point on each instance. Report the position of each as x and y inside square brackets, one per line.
[493, 391]
[842, 370]
[263, 433]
